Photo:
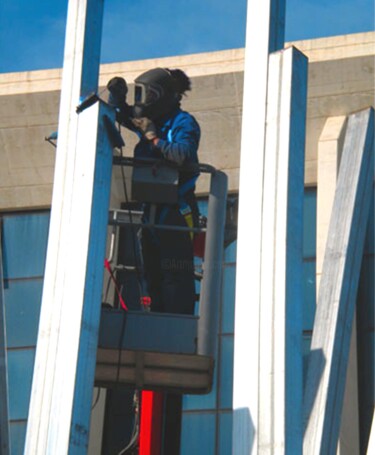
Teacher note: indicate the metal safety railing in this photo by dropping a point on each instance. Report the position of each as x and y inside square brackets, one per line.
[214, 244]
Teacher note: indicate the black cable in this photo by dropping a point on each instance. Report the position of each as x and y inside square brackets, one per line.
[96, 399]
[135, 432]
[132, 228]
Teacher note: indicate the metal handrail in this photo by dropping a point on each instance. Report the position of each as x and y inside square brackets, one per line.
[115, 220]
[149, 162]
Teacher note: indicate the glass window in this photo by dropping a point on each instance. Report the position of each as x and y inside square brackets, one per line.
[230, 252]
[228, 296]
[309, 294]
[17, 437]
[366, 289]
[306, 343]
[20, 371]
[309, 223]
[24, 245]
[22, 308]
[198, 433]
[226, 372]
[370, 237]
[225, 433]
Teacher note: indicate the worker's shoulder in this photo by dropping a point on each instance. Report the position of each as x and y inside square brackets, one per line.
[185, 118]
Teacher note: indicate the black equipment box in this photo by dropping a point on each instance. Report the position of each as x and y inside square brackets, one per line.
[156, 184]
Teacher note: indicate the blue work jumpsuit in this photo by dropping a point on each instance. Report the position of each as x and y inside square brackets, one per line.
[167, 254]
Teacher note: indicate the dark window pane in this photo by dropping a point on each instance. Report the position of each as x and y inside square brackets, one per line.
[225, 433]
[226, 372]
[17, 437]
[230, 252]
[309, 223]
[370, 234]
[22, 308]
[228, 296]
[198, 434]
[25, 245]
[20, 371]
[309, 294]
[306, 343]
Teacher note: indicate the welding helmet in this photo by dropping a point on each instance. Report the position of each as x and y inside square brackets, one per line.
[155, 94]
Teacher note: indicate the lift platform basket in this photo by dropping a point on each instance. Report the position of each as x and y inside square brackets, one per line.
[151, 351]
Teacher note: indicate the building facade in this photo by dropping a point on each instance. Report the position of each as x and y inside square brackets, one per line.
[340, 82]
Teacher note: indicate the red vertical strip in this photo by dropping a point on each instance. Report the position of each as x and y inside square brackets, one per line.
[150, 436]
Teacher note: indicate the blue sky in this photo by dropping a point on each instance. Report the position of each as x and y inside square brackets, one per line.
[32, 31]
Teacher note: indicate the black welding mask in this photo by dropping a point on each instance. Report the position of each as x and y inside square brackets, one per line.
[155, 94]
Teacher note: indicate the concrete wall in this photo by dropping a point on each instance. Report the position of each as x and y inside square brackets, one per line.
[341, 75]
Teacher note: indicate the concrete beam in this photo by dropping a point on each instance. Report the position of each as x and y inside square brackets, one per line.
[338, 288]
[329, 155]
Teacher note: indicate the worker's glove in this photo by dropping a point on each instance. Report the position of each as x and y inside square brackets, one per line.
[118, 90]
[146, 127]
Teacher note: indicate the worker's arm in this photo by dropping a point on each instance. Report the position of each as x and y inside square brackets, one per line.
[183, 144]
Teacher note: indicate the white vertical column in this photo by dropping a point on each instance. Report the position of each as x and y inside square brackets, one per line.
[328, 359]
[267, 393]
[62, 308]
[246, 342]
[280, 314]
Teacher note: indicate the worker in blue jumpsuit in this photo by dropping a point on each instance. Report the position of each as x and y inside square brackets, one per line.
[167, 132]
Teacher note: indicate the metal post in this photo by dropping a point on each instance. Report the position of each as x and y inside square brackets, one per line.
[277, 424]
[330, 343]
[213, 256]
[59, 415]
[280, 313]
[263, 20]
[329, 155]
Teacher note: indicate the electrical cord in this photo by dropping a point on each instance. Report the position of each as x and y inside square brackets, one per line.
[134, 240]
[132, 228]
[96, 399]
[135, 432]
